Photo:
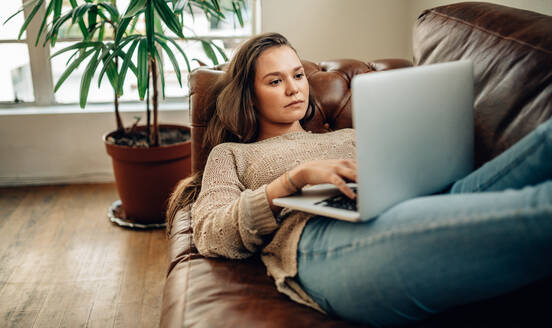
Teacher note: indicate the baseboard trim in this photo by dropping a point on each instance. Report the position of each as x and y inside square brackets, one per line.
[98, 177]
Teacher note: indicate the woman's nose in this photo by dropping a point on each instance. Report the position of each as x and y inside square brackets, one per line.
[292, 88]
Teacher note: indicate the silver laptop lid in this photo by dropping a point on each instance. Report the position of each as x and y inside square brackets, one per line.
[414, 132]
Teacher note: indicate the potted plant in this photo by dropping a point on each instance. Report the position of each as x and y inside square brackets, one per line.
[148, 160]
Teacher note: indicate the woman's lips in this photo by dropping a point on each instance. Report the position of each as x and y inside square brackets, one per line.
[293, 103]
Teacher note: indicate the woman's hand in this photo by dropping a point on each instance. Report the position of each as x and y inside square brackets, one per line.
[326, 171]
[313, 173]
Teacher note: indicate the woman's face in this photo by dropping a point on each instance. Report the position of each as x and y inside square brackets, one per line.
[281, 88]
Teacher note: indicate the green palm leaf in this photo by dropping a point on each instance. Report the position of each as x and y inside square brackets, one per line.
[168, 17]
[87, 77]
[133, 25]
[29, 18]
[101, 33]
[80, 51]
[209, 52]
[78, 45]
[220, 50]
[80, 11]
[112, 74]
[191, 11]
[134, 7]
[172, 59]
[237, 10]
[122, 28]
[57, 9]
[52, 34]
[177, 47]
[142, 68]
[72, 67]
[82, 26]
[216, 4]
[126, 64]
[111, 9]
[92, 17]
[150, 29]
[25, 5]
[49, 10]
[209, 9]
[116, 51]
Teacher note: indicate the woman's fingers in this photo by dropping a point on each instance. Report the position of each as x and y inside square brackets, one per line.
[349, 163]
[342, 186]
[348, 173]
[336, 172]
[347, 170]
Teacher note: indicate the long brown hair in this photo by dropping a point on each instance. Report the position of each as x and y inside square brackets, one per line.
[233, 115]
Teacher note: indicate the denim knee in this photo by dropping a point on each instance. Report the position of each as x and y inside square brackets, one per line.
[545, 130]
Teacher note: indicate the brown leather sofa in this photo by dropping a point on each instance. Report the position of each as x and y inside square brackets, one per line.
[512, 54]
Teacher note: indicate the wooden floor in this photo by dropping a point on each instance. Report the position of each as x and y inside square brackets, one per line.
[64, 264]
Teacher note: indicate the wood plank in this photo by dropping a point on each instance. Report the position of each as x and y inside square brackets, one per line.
[155, 268]
[132, 285]
[23, 260]
[19, 226]
[21, 319]
[9, 200]
[63, 264]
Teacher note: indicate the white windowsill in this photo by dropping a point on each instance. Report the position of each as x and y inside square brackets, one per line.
[91, 108]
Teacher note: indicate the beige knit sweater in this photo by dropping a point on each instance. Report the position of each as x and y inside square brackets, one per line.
[232, 218]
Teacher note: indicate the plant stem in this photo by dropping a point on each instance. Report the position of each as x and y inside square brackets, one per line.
[148, 135]
[155, 129]
[120, 126]
[117, 114]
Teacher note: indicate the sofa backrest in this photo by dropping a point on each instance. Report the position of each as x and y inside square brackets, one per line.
[511, 50]
[330, 86]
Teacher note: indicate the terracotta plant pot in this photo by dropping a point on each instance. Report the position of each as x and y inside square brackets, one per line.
[145, 177]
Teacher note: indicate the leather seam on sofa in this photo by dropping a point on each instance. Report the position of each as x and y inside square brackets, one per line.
[498, 35]
[342, 105]
[186, 285]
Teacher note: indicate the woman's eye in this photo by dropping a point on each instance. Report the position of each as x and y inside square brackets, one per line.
[299, 75]
[275, 82]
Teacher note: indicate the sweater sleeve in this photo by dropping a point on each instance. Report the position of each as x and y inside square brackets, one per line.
[228, 219]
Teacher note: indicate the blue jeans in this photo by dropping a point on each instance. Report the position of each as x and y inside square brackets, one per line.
[491, 234]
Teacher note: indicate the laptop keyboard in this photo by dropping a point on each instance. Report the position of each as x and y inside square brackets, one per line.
[340, 201]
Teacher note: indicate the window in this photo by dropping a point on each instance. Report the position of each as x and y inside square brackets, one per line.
[15, 73]
[27, 76]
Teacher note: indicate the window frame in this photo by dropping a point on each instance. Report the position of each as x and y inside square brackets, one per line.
[41, 68]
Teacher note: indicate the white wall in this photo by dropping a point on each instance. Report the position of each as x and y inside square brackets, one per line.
[331, 29]
[360, 29]
[53, 148]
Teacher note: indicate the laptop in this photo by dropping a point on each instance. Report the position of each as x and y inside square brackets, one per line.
[414, 137]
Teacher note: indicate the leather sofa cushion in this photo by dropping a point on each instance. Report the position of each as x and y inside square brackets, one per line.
[512, 54]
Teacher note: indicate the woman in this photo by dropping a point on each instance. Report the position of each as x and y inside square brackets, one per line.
[491, 235]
